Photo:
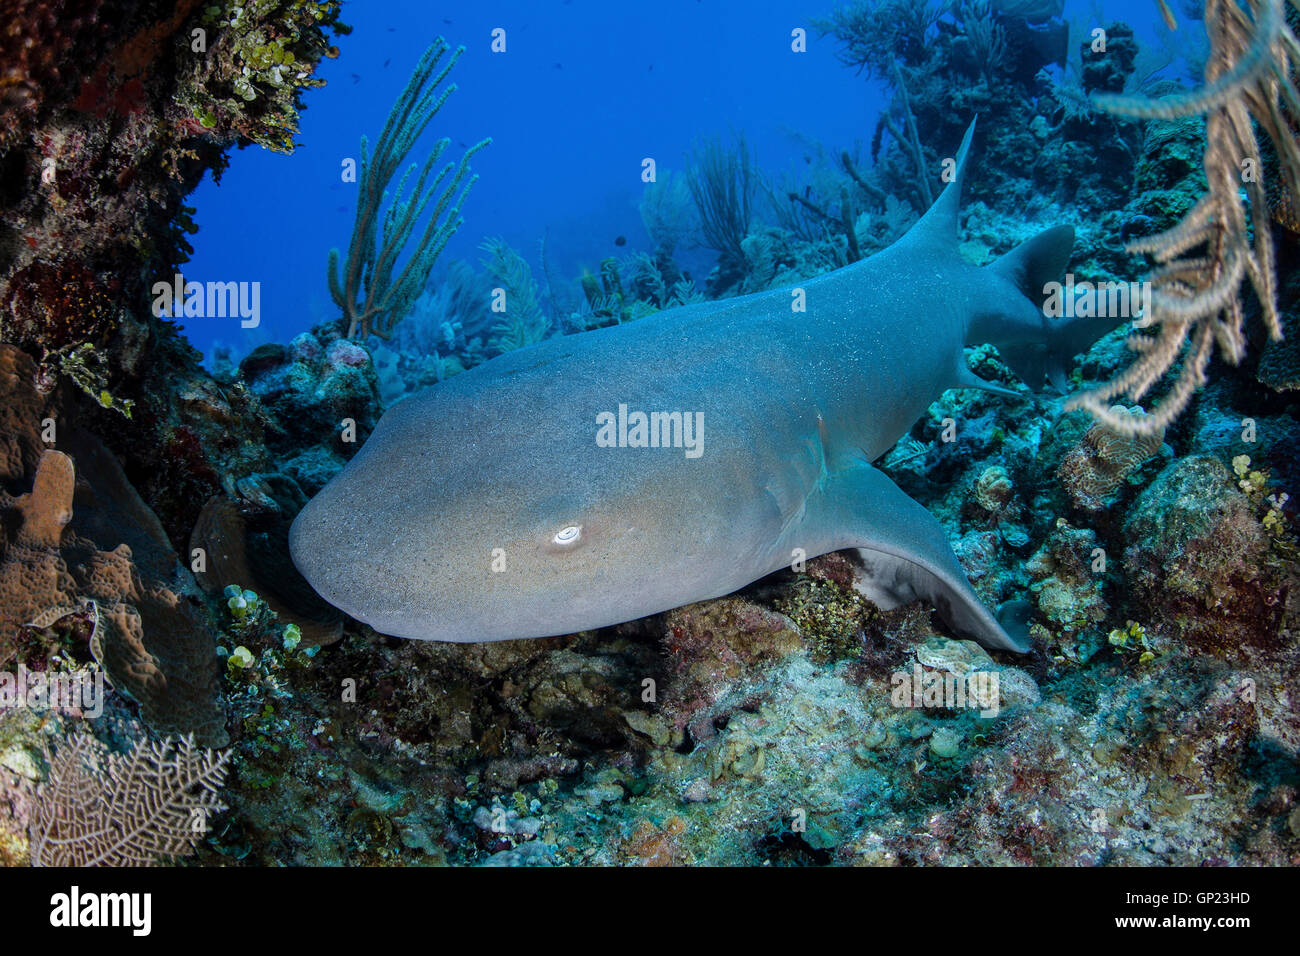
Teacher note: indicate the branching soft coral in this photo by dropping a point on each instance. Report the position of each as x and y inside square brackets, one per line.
[1195, 305]
[373, 300]
[987, 37]
[723, 183]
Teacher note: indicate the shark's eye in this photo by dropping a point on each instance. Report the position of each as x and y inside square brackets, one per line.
[568, 535]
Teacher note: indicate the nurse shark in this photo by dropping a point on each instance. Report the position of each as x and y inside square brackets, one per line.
[533, 495]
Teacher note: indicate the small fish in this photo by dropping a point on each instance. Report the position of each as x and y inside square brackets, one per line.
[356, 78]
[621, 241]
[388, 61]
[1168, 14]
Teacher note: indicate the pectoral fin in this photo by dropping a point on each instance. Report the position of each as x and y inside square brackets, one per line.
[905, 552]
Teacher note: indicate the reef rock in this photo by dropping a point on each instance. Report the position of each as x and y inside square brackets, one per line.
[313, 386]
[1201, 562]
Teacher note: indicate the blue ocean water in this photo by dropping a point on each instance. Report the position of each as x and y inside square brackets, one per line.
[584, 91]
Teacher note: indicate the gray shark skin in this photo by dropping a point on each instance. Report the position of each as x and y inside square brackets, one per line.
[483, 508]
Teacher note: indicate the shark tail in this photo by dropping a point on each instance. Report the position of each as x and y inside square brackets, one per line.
[1036, 346]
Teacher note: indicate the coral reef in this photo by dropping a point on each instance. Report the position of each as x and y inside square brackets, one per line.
[83, 554]
[1068, 591]
[793, 723]
[1094, 470]
[114, 111]
[264, 53]
[1202, 562]
[310, 389]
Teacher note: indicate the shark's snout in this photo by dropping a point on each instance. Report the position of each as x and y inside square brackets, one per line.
[342, 554]
[315, 547]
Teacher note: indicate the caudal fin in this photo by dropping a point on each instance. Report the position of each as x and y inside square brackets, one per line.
[1038, 347]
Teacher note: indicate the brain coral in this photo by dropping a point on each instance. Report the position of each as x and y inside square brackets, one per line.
[1094, 470]
[993, 489]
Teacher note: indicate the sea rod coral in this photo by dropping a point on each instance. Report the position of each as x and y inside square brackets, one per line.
[372, 299]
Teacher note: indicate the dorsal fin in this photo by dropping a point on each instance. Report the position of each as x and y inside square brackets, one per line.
[1037, 261]
[938, 227]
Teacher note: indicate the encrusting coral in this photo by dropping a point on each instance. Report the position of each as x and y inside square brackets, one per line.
[84, 542]
[1068, 591]
[1199, 560]
[41, 38]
